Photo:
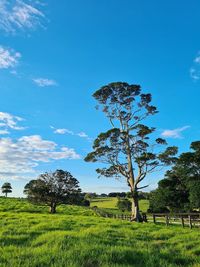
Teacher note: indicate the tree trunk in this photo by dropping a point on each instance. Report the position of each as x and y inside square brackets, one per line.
[53, 207]
[136, 216]
[6, 194]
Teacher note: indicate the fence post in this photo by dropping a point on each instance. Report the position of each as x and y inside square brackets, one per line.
[154, 218]
[190, 221]
[144, 217]
[182, 220]
[167, 220]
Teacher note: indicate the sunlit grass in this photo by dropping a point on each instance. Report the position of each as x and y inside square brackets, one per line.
[109, 204]
[76, 237]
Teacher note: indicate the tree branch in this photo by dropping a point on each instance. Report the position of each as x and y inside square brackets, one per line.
[139, 188]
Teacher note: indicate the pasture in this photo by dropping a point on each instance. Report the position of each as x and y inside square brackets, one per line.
[108, 204]
[76, 236]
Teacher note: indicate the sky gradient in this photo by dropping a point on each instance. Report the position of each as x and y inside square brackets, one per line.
[54, 56]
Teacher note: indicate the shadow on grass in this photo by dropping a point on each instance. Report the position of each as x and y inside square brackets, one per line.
[20, 241]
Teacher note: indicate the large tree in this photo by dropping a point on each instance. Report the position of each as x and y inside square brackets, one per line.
[171, 195]
[188, 167]
[126, 148]
[180, 189]
[53, 188]
[6, 188]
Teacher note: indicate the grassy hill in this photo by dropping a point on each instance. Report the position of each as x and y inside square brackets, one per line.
[76, 237]
[21, 205]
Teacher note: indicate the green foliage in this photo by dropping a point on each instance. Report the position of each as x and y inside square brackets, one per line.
[158, 201]
[90, 196]
[143, 195]
[124, 204]
[127, 149]
[74, 239]
[194, 194]
[85, 202]
[171, 195]
[180, 189]
[126, 107]
[117, 194]
[53, 189]
[6, 188]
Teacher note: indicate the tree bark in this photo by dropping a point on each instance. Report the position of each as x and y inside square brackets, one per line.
[53, 207]
[136, 216]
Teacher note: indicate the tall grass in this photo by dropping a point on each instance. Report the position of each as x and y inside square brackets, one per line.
[75, 237]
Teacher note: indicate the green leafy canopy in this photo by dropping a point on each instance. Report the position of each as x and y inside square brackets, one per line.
[128, 144]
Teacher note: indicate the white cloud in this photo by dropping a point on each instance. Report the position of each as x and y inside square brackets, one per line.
[3, 132]
[21, 156]
[35, 142]
[175, 133]
[8, 58]
[20, 15]
[194, 74]
[63, 131]
[83, 135]
[197, 59]
[195, 69]
[67, 131]
[43, 82]
[9, 121]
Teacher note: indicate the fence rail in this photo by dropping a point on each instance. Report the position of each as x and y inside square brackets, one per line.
[185, 219]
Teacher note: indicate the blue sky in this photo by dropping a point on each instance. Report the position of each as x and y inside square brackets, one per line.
[54, 56]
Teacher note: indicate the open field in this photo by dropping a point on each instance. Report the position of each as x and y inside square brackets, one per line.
[76, 237]
[108, 204]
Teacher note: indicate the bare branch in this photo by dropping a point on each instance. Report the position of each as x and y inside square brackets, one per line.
[139, 188]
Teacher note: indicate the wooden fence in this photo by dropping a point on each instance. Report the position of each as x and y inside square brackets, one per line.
[185, 219]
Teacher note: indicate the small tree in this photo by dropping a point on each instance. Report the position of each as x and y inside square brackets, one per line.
[6, 188]
[124, 204]
[126, 148]
[53, 188]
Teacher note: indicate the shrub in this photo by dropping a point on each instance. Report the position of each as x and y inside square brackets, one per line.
[124, 204]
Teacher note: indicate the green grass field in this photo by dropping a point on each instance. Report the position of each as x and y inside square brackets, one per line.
[75, 236]
[108, 204]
